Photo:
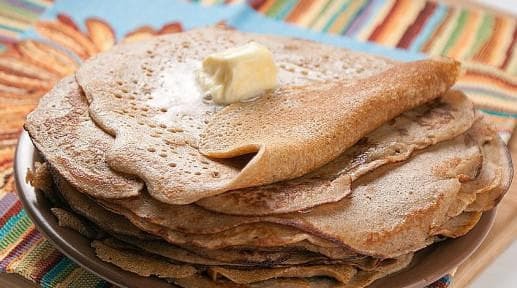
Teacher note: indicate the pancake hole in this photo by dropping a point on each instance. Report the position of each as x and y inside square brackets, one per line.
[163, 155]
[163, 110]
[172, 165]
[151, 149]
[119, 83]
[197, 173]
[118, 95]
[163, 126]
[215, 174]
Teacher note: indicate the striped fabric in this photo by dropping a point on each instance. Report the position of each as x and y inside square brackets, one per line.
[464, 33]
[17, 16]
[484, 41]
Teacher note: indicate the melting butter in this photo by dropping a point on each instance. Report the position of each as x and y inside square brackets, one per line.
[238, 74]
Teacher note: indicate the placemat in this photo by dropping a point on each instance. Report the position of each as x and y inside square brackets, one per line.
[39, 49]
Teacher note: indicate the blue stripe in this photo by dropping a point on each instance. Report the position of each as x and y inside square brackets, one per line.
[59, 271]
[500, 113]
[429, 28]
[13, 221]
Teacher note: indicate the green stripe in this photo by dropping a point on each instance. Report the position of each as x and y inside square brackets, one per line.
[14, 228]
[288, 6]
[32, 258]
[275, 8]
[353, 16]
[323, 11]
[482, 35]
[457, 31]
[336, 15]
[17, 231]
[87, 279]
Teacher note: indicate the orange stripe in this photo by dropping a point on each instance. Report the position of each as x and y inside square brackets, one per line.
[301, 8]
[392, 25]
[264, 7]
[377, 33]
[485, 52]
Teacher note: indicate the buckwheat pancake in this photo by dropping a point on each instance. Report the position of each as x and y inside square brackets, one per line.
[83, 163]
[361, 279]
[129, 259]
[493, 179]
[123, 229]
[107, 221]
[428, 124]
[153, 121]
[62, 131]
[340, 273]
[243, 258]
[437, 172]
[194, 226]
[140, 264]
[459, 225]
[498, 167]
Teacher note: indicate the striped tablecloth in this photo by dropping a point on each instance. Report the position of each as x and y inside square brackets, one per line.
[484, 41]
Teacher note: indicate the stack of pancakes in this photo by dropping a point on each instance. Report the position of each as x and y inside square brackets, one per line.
[334, 179]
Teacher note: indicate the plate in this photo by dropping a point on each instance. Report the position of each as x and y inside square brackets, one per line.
[428, 265]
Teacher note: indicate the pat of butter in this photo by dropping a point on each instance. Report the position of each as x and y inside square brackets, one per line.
[238, 74]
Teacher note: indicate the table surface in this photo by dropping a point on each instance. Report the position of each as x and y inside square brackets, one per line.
[493, 265]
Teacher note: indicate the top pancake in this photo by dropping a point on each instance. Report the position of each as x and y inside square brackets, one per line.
[157, 113]
[395, 141]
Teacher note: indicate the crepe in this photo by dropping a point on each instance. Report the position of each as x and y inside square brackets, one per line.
[87, 208]
[70, 220]
[204, 219]
[123, 229]
[146, 265]
[154, 122]
[395, 141]
[140, 264]
[82, 162]
[62, 131]
[436, 172]
[340, 273]
[361, 279]
[498, 166]
[459, 225]
[493, 179]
